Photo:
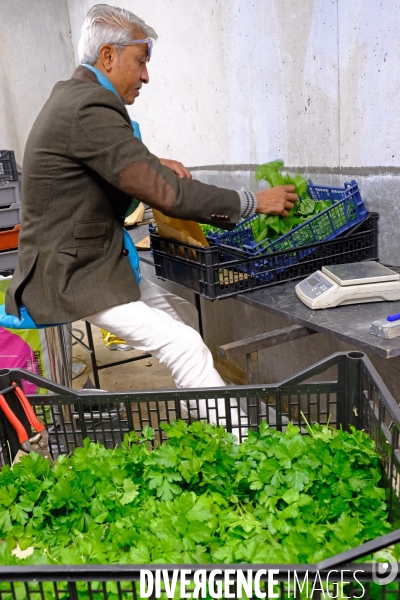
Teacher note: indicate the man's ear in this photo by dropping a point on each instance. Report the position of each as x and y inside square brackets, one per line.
[106, 56]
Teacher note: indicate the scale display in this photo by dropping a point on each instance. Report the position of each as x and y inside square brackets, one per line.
[353, 283]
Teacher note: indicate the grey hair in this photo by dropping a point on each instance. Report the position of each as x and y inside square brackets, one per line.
[106, 24]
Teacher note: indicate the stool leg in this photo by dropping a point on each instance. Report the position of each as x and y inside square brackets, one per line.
[92, 355]
[66, 361]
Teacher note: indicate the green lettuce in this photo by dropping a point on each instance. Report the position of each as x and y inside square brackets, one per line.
[270, 227]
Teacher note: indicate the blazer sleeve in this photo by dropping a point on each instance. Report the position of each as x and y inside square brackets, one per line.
[102, 140]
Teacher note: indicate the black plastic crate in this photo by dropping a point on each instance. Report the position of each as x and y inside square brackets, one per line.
[344, 388]
[8, 166]
[220, 271]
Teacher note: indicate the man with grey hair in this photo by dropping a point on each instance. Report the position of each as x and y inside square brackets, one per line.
[83, 163]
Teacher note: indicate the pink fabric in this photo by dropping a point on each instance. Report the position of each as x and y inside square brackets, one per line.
[16, 353]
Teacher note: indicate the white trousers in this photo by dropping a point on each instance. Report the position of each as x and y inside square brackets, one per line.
[167, 327]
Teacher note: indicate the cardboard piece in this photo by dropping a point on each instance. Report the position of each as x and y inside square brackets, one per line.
[188, 232]
[135, 217]
[143, 244]
[229, 276]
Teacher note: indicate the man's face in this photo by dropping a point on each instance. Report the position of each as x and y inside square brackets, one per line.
[129, 71]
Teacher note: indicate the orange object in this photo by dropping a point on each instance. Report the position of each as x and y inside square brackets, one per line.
[9, 238]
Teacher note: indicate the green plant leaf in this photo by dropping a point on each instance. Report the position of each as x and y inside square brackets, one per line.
[307, 207]
[5, 521]
[130, 492]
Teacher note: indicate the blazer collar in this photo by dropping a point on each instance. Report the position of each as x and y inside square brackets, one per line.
[84, 74]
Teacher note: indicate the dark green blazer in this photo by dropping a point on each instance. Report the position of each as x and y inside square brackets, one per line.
[81, 167]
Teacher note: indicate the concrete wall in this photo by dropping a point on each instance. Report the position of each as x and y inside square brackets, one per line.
[36, 51]
[315, 82]
[237, 83]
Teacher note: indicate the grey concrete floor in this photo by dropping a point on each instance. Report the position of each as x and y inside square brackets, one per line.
[130, 376]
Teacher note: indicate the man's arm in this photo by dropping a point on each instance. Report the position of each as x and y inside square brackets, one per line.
[248, 200]
[102, 140]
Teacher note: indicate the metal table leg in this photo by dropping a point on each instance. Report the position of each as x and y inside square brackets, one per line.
[251, 346]
[92, 355]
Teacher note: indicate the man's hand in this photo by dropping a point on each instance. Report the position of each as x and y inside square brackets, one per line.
[177, 168]
[276, 201]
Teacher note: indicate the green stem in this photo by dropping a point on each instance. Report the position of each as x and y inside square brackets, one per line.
[307, 423]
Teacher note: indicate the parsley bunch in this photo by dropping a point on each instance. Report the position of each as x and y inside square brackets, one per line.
[273, 226]
[197, 498]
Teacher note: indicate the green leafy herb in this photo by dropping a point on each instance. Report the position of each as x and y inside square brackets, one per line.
[271, 173]
[307, 207]
[206, 229]
[197, 498]
[270, 227]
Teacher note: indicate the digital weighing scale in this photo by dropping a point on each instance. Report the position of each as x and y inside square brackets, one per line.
[349, 284]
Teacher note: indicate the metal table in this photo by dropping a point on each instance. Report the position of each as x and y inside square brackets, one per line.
[347, 323]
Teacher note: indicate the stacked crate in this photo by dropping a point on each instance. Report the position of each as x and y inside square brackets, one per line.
[10, 206]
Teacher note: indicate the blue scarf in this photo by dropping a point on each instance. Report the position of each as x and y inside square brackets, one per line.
[129, 245]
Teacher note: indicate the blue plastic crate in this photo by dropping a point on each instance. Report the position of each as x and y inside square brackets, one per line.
[346, 211]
